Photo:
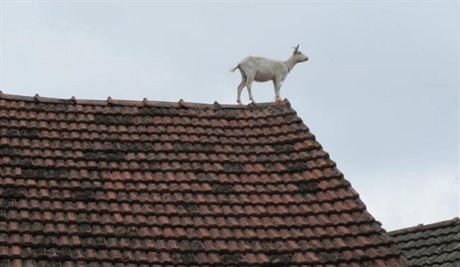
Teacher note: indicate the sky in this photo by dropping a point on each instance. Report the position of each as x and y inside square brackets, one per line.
[380, 91]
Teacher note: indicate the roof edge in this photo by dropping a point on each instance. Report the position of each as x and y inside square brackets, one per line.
[425, 227]
[144, 102]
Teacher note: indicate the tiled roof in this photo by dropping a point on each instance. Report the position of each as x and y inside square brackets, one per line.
[144, 183]
[436, 244]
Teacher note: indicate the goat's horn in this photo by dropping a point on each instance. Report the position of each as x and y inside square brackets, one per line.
[297, 47]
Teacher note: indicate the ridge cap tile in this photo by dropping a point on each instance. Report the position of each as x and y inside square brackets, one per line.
[144, 101]
[425, 227]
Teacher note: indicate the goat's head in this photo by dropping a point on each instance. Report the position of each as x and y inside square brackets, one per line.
[299, 56]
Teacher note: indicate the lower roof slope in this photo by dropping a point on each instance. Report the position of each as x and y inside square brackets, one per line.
[436, 244]
[143, 183]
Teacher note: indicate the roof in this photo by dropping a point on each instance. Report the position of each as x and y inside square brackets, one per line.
[145, 183]
[436, 244]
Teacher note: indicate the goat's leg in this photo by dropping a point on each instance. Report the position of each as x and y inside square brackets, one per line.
[277, 86]
[240, 88]
[249, 86]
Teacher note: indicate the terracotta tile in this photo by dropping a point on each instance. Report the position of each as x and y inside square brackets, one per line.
[156, 173]
[15, 251]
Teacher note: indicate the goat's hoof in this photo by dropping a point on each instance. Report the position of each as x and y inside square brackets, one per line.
[239, 102]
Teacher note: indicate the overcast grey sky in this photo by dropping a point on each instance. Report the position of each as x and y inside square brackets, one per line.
[380, 92]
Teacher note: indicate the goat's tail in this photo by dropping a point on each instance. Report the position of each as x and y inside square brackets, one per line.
[235, 68]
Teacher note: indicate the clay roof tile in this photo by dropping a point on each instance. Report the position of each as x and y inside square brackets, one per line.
[150, 183]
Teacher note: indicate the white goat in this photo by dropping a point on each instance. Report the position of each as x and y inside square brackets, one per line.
[263, 69]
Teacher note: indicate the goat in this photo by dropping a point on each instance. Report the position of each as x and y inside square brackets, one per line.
[261, 69]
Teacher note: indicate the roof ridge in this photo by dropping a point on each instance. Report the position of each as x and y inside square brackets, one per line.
[425, 227]
[144, 102]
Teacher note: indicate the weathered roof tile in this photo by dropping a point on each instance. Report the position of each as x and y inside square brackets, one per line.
[146, 183]
[436, 244]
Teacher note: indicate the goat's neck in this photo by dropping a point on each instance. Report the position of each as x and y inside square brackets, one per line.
[290, 63]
